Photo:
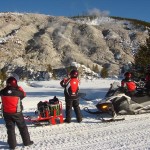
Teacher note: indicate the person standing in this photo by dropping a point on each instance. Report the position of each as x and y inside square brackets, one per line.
[147, 79]
[71, 89]
[12, 108]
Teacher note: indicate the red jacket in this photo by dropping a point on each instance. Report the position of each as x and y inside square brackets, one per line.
[11, 99]
[147, 77]
[71, 87]
[128, 84]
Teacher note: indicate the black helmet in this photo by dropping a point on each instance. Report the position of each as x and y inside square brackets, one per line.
[127, 75]
[11, 81]
[74, 74]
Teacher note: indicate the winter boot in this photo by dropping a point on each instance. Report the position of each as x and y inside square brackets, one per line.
[67, 121]
[79, 120]
[28, 144]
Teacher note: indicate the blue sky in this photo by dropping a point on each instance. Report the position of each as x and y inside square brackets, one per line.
[137, 9]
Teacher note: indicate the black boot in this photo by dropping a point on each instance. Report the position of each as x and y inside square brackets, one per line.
[28, 144]
[67, 121]
[79, 120]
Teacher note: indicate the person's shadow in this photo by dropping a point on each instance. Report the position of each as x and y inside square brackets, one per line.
[4, 145]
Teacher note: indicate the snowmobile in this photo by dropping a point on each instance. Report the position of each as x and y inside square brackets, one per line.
[116, 102]
[47, 113]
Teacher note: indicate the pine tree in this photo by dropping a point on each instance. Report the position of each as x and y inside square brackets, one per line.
[49, 68]
[104, 72]
[3, 77]
[142, 58]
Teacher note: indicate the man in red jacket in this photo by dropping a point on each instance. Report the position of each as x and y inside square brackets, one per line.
[128, 84]
[12, 107]
[71, 88]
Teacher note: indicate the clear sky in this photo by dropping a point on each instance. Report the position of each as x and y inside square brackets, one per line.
[136, 9]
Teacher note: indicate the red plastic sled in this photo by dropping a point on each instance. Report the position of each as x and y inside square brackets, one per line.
[48, 115]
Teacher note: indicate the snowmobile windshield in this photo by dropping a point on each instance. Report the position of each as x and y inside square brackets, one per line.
[115, 85]
[113, 89]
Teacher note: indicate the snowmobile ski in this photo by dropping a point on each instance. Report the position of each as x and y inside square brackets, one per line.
[82, 95]
[86, 99]
[92, 112]
[111, 119]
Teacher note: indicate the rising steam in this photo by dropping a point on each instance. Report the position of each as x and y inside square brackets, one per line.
[96, 12]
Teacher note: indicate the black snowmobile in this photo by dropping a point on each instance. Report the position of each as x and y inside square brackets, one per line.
[117, 103]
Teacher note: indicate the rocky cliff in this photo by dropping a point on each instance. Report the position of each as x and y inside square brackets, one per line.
[34, 41]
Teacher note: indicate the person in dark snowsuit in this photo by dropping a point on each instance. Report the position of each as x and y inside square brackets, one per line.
[147, 79]
[12, 107]
[128, 84]
[71, 88]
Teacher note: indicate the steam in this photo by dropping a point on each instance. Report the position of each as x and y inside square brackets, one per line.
[96, 12]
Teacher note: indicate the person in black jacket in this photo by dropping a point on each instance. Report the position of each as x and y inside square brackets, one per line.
[147, 79]
[71, 88]
[12, 107]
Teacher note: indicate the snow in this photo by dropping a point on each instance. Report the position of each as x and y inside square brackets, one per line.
[130, 134]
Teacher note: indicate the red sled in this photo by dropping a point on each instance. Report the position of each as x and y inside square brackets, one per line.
[48, 113]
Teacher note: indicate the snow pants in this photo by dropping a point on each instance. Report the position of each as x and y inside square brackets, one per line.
[75, 104]
[18, 119]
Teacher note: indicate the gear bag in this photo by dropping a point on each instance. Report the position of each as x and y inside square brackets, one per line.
[50, 106]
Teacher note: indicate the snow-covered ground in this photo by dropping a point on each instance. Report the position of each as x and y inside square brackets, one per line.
[131, 134]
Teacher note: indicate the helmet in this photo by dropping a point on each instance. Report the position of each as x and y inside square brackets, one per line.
[74, 74]
[11, 81]
[127, 75]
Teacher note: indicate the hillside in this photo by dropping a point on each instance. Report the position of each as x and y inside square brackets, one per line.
[34, 41]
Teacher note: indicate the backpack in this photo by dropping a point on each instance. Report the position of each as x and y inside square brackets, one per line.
[72, 87]
[54, 100]
[41, 107]
[50, 106]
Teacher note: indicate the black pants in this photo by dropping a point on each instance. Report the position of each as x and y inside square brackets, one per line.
[75, 104]
[11, 120]
[130, 93]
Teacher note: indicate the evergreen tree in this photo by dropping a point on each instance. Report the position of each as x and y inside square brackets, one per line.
[3, 77]
[104, 72]
[49, 68]
[142, 58]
